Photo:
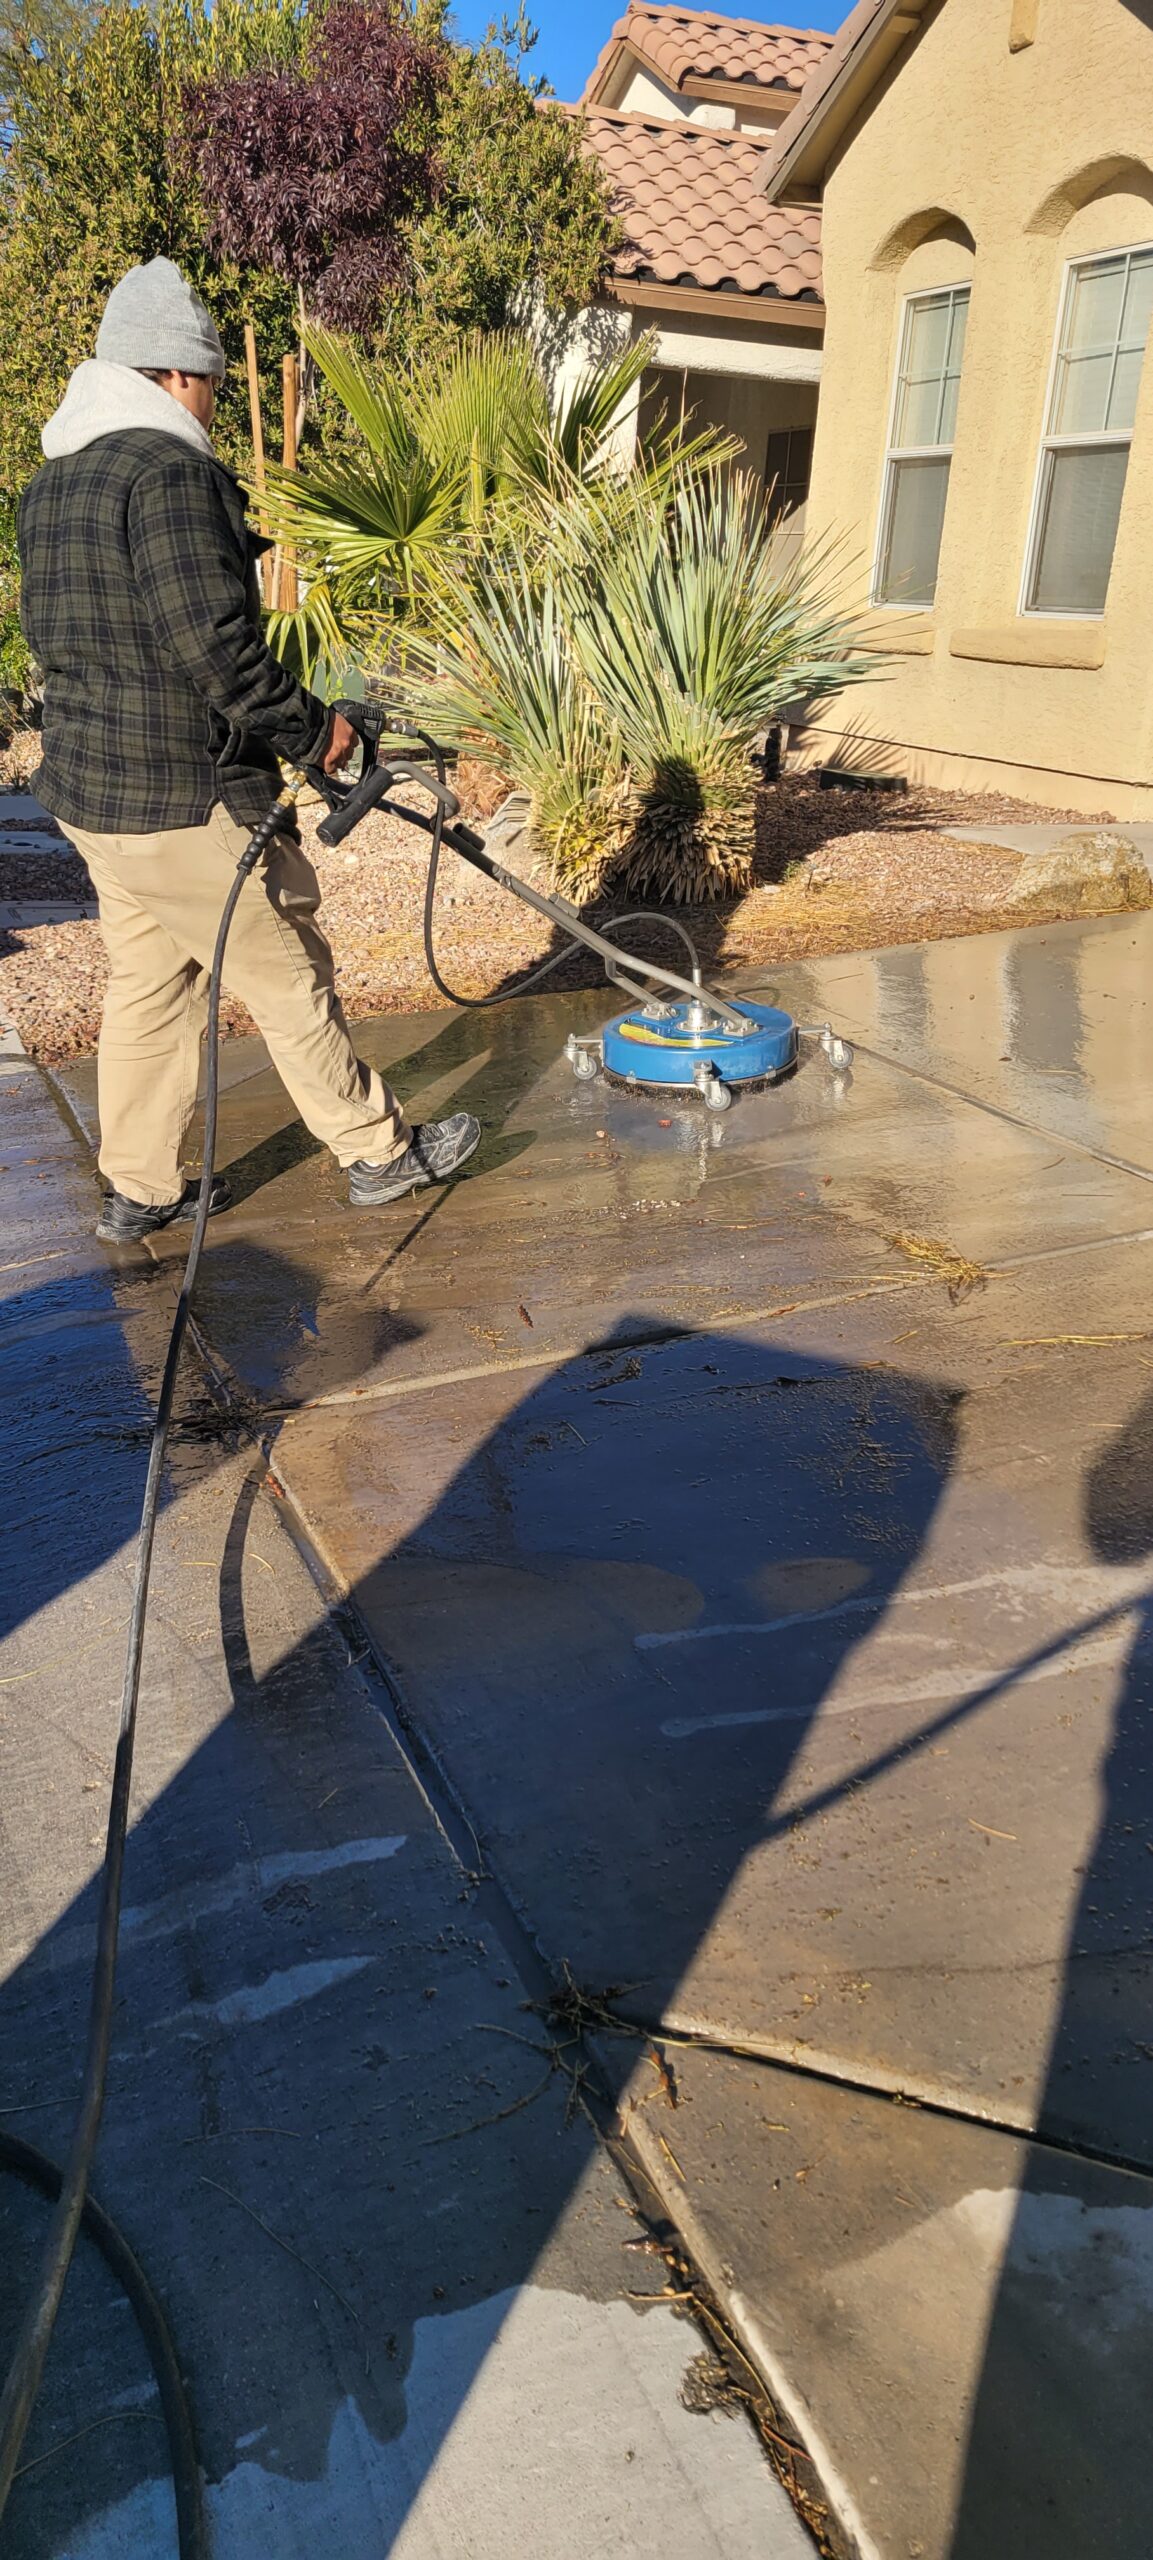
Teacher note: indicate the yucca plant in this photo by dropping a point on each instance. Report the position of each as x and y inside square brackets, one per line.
[618, 661]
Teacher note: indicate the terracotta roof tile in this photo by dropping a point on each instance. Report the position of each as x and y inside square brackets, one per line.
[688, 202]
[684, 44]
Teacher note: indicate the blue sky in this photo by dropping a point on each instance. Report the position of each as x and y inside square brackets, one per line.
[573, 31]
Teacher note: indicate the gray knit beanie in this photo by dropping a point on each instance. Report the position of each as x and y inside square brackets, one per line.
[155, 322]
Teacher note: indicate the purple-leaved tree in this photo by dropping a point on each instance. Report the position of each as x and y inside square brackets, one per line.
[313, 172]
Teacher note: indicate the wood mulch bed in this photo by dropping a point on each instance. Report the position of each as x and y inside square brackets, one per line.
[836, 871]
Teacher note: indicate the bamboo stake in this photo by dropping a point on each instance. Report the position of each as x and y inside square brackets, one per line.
[289, 585]
[257, 438]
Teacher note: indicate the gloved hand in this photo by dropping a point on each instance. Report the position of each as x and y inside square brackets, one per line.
[342, 738]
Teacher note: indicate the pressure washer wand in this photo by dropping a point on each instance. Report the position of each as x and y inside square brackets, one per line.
[568, 919]
[350, 802]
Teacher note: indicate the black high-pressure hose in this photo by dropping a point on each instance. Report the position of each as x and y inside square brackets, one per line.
[69, 2185]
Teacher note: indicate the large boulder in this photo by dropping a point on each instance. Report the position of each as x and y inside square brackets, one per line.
[1093, 871]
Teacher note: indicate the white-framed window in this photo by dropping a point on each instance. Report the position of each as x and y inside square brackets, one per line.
[920, 448]
[1101, 333]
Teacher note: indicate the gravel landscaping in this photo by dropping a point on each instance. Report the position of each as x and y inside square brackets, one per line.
[836, 871]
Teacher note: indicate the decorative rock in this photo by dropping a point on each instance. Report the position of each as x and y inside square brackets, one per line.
[509, 823]
[1094, 871]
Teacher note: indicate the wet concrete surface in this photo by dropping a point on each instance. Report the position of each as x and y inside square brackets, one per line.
[782, 1629]
[1053, 1026]
[776, 1685]
[588, 1208]
[395, 2261]
[959, 2324]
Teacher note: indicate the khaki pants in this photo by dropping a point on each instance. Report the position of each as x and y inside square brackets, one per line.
[160, 902]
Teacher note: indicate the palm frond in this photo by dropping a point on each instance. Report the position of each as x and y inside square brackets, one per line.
[311, 639]
[371, 394]
[590, 406]
[358, 520]
[486, 402]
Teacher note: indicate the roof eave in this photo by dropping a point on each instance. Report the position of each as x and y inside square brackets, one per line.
[762, 310]
[861, 54]
[624, 52]
[614, 45]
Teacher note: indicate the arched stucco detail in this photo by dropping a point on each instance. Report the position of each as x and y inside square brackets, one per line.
[931, 223]
[1116, 176]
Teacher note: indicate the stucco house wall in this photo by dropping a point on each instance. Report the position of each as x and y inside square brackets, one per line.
[643, 94]
[974, 161]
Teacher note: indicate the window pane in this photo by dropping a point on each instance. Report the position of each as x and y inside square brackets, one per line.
[927, 335]
[788, 467]
[1081, 502]
[1138, 300]
[1134, 332]
[923, 359]
[1103, 338]
[931, 351]
[918, 411]
[957, 332]
[1082, 395]
[1126, 385]
[912, 541]
[952, 384]
[1093, 315]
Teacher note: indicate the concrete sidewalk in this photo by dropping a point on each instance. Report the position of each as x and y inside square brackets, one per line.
[780, 1626]
[1041, 835]
[415, 2306]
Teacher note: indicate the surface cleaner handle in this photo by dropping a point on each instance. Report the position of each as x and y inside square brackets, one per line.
[354, 802]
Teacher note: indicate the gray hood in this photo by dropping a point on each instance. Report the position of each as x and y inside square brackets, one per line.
[105, 399]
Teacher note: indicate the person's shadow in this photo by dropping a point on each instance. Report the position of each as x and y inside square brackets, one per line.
[272, 1998]
[1058, 2451]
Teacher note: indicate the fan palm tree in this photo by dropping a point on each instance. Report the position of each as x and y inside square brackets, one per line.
[446, 450]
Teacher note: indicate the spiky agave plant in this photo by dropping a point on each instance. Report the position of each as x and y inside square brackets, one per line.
[693, 633]
[618, 658]
[498, 673]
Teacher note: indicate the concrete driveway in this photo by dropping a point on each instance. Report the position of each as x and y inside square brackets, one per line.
[780, 1626]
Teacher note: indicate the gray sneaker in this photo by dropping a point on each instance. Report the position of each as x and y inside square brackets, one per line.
[439, 1147]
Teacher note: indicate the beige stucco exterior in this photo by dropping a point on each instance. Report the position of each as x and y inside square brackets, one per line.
[637, 91]
[984, 155]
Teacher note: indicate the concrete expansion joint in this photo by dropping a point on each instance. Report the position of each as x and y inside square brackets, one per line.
[998, 1111]
[567, 2015]
[889, 2092]
[657, 1338]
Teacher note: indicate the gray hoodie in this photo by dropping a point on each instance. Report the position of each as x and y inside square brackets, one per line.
[104, 399]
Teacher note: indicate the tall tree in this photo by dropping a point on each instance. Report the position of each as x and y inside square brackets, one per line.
[91, 184]
[522, 210]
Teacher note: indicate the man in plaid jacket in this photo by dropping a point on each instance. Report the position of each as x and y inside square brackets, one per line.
[164, 715]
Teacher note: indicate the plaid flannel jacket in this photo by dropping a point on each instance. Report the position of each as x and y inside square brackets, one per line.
[139, 601]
